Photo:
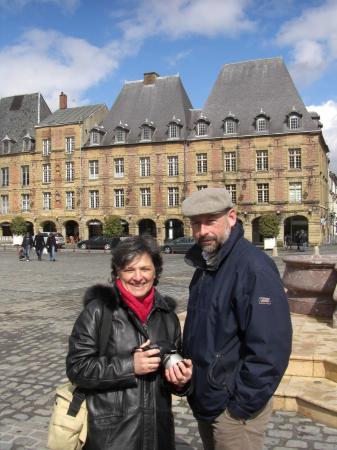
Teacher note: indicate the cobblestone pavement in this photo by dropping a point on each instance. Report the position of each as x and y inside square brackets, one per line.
[39, 303]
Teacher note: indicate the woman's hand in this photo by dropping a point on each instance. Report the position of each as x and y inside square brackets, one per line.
[180, 373]
[145, 361]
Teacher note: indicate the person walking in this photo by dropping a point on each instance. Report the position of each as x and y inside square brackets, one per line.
[237, 330]
[39, 245]
[27, 244]
[128, 393]
[51, 246]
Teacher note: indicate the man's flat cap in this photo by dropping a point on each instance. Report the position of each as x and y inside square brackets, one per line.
[207, 201]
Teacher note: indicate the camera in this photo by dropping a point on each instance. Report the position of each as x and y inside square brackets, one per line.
[167, 352]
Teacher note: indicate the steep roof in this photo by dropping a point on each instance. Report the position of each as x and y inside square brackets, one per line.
[156, 103]
[246, 89]
[18, 116]
[70, 115]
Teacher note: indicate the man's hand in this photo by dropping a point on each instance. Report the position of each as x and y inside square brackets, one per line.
[180, 373]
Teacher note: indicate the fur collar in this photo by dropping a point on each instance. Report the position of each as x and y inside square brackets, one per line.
[109, 295]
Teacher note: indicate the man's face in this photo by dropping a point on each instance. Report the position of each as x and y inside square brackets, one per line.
[212, 230]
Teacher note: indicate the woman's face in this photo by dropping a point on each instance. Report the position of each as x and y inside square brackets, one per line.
[138, 276]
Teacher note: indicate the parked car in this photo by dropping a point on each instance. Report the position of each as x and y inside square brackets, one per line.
[60, 242]
[98, 243]
[178, 245]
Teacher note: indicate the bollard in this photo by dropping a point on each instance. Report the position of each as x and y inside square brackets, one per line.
[275, 251]
[316, 250]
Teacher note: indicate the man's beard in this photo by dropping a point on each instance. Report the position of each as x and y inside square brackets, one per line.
[213, 244]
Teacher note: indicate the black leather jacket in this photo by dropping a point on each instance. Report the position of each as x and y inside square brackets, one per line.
[125, 411]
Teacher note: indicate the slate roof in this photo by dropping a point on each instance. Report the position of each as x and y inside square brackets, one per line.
[18, 116]
[70, 115]
[161, 102]
[245, 89]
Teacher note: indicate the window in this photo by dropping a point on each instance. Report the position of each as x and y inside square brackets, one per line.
[202, 128]
[46, 200]
[6, 146]
[173, 166]
[120, 135]
[231, 188]
[25, 202]
[144, 166]
[46, 147]
[119, 167]
[202, 163]
[146, 134]
[174, 131]
[263, 193]
[4, 204]
[70, 200]
[27, 144]
[70, 172]
[294, 121]
[25, 175]
[46, 173]
[95, 137]
[262, 160]
[70, 144]
[261, 124]
[94, 199]
[93, 170]
[200, 187]
[119, 198]
[4, 176]
[173, 196]
[145, 197]
[295, 192]
[230, 126]
[230, 162]
[295, 158]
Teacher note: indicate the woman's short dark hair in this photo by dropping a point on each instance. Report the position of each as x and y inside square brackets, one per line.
[134, 246]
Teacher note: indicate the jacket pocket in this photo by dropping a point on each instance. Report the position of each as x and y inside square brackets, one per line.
[222, 373]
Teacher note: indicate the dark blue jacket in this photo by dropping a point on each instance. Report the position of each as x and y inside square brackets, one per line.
[237, 330]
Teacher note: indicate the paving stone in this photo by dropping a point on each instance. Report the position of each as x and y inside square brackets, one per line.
[296, 444]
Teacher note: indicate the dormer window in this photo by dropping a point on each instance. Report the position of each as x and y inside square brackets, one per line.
[147, 130]
[96, 135]
[230, 124]
[28, 143]
[202, 127]
[6, 145]
[174, 128]
[262, 122]
[294, 121]
[120, 133]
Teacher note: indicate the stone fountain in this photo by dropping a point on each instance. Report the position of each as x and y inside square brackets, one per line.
[311, 282]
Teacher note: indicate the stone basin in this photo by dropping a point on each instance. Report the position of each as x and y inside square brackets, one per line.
[311, 284]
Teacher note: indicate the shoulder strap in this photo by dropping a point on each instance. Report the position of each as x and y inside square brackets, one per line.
[105, 330]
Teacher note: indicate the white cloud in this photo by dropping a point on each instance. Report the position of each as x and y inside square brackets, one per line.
[49, 62]
[313, 37]
[184, 17]
[328, 114]
[173, 60]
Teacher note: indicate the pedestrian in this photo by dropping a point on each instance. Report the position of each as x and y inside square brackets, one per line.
[237, 330]
[39, 245]
[128, 393]
[51, 246]
[27, 244]
[287, 242]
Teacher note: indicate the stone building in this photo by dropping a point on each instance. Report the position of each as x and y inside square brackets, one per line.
[139, 160]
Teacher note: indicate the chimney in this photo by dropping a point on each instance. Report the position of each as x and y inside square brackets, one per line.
[63, 101]
[150, 77]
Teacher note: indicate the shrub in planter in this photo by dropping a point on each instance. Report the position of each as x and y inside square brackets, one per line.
[112, 226]
[269, 225]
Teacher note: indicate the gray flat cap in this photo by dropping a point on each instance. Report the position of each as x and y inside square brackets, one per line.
[207, 201]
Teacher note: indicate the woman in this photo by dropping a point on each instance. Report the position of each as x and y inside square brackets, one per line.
[129, 393]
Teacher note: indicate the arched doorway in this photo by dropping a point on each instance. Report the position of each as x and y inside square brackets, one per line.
[147, 226]
[72, 230]
[95, 228]
[174, 228]
[294, 224]
[257, 238]
[30, 227]
[5, 229]
[48, 226]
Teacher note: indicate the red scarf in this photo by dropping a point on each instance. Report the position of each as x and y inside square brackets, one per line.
[142, 307]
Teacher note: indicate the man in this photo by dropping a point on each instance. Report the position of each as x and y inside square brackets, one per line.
[237, 330]
[27, 243]
[39, 245]
[51, 246]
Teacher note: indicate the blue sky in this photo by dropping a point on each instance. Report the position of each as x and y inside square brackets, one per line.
[88, 48]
